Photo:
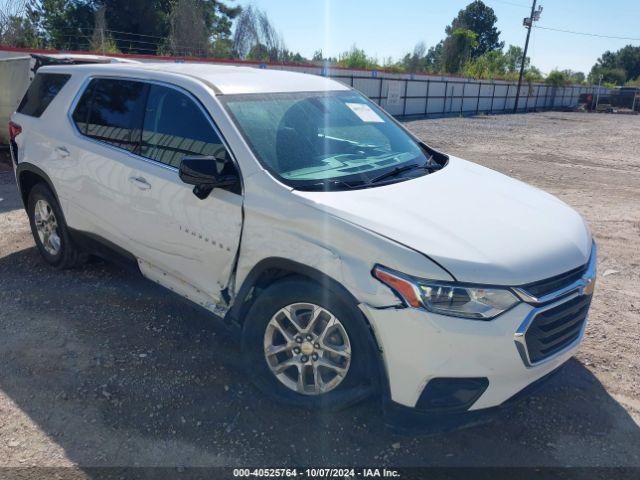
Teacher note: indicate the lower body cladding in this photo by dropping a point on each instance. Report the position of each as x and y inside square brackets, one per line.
[442, 364]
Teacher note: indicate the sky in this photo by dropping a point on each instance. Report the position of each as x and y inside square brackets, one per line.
[391, 28]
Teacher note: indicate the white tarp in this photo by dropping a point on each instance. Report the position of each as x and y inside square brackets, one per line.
[14, 80]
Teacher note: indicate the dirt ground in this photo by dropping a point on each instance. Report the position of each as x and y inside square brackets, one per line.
[102, 368]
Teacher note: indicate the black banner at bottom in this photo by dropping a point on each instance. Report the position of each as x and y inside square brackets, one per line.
[404, 473]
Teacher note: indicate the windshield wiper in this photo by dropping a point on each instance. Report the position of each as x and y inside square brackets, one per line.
[394, 172]
[329, 185]
[428, 165]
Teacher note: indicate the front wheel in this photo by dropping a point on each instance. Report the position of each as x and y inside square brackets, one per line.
[307, 346]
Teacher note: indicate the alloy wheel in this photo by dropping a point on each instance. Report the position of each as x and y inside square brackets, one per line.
[47, 227]
[307, 348]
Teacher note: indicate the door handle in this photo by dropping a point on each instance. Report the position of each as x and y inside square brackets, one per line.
[140, 182]
[62, 151]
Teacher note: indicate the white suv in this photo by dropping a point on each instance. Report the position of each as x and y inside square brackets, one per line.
[352, 257]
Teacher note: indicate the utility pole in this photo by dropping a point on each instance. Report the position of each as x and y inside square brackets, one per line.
[528, 24]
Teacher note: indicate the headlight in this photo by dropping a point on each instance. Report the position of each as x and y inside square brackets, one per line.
[458, 300]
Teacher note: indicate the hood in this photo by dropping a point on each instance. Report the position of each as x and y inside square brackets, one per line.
[482, 226]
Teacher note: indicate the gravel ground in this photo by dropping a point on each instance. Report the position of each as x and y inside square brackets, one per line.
[102, 368]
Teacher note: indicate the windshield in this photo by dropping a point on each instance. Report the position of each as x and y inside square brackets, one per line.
[320, 139]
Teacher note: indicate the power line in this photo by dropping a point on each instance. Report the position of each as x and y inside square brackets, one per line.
[512, 4]
[87, 29]
[129, 44]
[586, 33]
[85, 40]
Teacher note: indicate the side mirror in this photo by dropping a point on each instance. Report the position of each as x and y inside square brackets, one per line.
[207, 173]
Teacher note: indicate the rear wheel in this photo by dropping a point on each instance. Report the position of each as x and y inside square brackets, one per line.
[307, 346]
[50, 230]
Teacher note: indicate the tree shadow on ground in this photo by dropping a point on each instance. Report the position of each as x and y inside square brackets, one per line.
[120, 372]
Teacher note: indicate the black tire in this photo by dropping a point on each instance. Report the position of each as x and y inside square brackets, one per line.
[360, 380]
[68, 255]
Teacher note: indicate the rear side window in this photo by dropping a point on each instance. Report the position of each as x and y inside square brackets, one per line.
[41, 92]
[175, 127]
[81, 113]
[112, 111]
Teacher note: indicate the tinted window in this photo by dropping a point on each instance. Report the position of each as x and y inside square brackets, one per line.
[41, 92]
[117, 109]
[81, 113]
[175, 127]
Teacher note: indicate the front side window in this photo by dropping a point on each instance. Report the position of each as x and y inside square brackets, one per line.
[175, 127]
[154, 121]
[41, 92]
[321, 139]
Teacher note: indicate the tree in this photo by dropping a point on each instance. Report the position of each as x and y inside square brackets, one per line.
[480, 19]
[420, 60]
[633, 83]
[533, 75]
[414, 62]
[393, 66]
[255, 38]
[17, 31]
[433, 60]
[513, 58]
[613, 76]
[148, 23]
[101, 40]
[491, 65]
[458, 49]
[220, 19]
[141, 25]
[357, 58]
[135, 26]
[64, 24]
[222, 48]
[573, 76]
[16, 28]
[556, 78]
[189, 33]
[471, 34]
[504, 65]
[10, 9]
[617, 67]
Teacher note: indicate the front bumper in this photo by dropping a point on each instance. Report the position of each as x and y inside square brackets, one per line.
[418, 346]
[413, 421]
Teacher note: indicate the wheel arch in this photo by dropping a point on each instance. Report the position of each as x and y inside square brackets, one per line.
[27, 176]
[272, 269]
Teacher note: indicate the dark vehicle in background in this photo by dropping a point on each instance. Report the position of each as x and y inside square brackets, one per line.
[626, 98]
[591, 101]
[620, 98]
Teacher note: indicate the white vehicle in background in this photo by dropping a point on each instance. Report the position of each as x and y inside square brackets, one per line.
[17, 72]
[353, 258]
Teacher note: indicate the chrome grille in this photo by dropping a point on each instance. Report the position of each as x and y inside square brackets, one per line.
[554, 329]
[560, 314]
[545, 287]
